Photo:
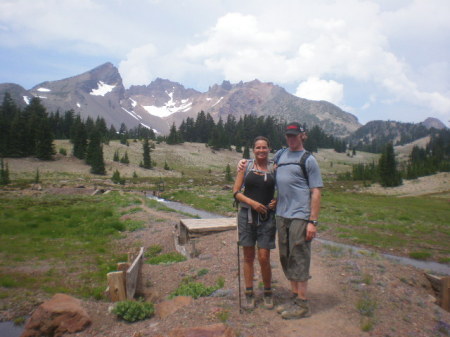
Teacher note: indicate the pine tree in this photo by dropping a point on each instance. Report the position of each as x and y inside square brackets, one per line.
[246, 154]
[37, 178]
[79, 138]
[116, 156]
[4, 173]
[124, 159]
[389, 176]
[166, 166]
[147, 159]
[94, 155]
[228, 176]
[174, 136]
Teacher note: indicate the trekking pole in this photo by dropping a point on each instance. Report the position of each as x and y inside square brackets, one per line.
[239, 268]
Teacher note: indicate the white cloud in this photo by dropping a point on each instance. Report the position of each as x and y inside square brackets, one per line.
[138, 66]
[397, 48]
[316, 89]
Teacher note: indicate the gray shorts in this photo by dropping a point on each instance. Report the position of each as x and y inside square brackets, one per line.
[295, 251]
[260, 233]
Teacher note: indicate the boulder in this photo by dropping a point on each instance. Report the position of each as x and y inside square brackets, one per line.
[166, 308]
[61, 314]
[214, 330]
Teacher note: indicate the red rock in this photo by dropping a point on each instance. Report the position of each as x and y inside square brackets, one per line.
[214, 330]
[61, 314]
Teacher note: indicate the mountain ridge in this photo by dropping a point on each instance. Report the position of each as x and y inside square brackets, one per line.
[100, 92]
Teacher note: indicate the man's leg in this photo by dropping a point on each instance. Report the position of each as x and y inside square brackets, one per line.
[300, 289]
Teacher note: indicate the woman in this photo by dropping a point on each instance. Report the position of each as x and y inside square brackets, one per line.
[256, 221]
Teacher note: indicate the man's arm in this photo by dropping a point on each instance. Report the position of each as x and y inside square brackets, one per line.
[311, 230]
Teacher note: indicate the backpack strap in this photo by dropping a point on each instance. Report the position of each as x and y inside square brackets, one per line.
[301, 163]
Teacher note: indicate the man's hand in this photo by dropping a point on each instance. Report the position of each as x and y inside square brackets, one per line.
[273, 204]
[241, 165]
[311, 231]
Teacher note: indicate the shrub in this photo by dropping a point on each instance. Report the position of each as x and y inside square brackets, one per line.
[167, 258]
[63, 151]
[153, 250]
[132, 311]
[196, 289]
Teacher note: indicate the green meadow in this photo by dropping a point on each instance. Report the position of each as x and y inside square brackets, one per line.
[61, 243]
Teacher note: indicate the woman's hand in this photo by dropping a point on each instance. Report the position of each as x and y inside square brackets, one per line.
[273, 204]
[260, 208]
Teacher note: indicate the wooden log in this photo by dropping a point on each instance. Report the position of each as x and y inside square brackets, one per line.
[436, 282]
[132, 275]
[445, 304]
[116, 285]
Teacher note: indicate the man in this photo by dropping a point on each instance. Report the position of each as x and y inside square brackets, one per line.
[298, 205]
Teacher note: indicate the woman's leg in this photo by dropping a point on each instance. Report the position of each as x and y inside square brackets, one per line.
[266, 270]
[249, 258]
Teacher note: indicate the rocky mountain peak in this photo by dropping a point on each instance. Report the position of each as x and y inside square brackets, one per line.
[431, 122]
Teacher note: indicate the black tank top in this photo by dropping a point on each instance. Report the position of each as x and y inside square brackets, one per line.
[258, 189]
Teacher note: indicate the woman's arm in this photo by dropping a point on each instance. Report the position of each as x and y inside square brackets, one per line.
[260, 208]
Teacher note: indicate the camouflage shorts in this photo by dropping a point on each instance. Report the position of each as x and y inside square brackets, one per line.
[295, 251]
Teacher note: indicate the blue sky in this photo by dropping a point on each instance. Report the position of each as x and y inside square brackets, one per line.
[376, 59]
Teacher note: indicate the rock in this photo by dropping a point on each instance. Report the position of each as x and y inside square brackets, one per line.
[167, 308]
[222, 293]
[61, 314]
[214, 330]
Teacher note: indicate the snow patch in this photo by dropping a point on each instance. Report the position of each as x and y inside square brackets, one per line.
[169, 108]
[43, 90]
[26, 99]
[131, 113]
[133, 102]
[221, 98]
[102, 89]
[78, 105]
[43, 97]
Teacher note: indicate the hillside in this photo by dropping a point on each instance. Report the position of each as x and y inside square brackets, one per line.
[353, 292]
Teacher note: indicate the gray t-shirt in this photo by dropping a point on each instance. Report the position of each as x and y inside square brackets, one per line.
[294, 195]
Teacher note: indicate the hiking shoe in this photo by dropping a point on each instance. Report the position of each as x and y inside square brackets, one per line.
[289, 304]
[249, 300]
[299, 310]
[268, 299]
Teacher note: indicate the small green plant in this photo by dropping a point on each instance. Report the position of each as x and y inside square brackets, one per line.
[19, 320]
[420, 255]
[223, 315]
[367, 324]
[63, 151]
[153, 250]
[37, 177]
[366, 305]
[116, 179]
[202, 272]
[132, 311]
[167, 258]
[188, 287]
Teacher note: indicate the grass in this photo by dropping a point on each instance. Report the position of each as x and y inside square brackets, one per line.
[205, 197]
[389, 222]
[167, 258]
[60, 243]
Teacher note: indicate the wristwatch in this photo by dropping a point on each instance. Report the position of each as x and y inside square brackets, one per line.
[314, 222]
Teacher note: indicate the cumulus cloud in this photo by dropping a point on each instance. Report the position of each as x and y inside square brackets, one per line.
[398, 49]
[321, 90]
[138, 66]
